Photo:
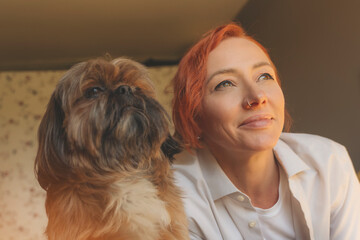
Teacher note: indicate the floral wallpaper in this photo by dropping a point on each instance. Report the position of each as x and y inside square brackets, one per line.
[23, 99]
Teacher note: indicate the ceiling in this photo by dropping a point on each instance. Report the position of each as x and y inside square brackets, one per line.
[43, 34]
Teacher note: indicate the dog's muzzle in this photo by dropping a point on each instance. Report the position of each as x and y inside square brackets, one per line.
[124, 90]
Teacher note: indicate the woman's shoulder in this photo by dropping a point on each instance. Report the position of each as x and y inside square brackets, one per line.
[196, 194]
[318, 153]
[187, 172]
[305, 138]
[187, 164]
[311, 144]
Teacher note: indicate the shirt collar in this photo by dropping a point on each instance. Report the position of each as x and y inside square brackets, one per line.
[220, 185]
[289, 160]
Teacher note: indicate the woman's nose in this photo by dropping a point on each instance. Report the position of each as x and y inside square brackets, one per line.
[255, 98]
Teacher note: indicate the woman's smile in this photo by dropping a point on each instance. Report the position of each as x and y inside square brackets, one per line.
[260, 121]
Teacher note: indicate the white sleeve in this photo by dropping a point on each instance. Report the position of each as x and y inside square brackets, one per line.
[345, 214]
[194, 236]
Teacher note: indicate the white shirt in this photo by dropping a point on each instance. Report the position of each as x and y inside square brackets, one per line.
[325, 192]
[277, 222]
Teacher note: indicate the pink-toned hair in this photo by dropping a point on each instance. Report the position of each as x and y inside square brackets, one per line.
[190, 78]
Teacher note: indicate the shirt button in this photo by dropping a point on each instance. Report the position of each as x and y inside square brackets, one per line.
[252, 224]
[240, 198]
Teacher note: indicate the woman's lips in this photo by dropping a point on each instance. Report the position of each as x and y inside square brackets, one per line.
[258, 121]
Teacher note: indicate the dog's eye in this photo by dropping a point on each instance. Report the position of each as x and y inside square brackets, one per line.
[93, 92]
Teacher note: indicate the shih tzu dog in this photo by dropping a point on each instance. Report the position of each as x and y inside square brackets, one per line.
[103, 157]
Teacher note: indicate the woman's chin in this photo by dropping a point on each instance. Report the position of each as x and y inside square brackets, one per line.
[259, 142]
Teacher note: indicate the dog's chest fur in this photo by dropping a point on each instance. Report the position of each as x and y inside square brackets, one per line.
[127, 208]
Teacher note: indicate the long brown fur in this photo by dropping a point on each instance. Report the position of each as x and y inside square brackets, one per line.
[103, 157]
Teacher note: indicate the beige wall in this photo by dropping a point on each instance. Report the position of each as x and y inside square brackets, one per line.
[316, 47]
[23, 99]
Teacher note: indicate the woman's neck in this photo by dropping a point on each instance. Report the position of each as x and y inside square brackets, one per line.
[254, 173]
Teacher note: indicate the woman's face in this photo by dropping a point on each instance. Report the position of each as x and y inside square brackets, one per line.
[243, 105]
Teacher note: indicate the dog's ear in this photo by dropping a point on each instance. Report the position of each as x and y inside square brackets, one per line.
[49, 161]
[170, 147]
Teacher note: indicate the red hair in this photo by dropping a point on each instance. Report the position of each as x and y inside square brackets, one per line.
[190, 78]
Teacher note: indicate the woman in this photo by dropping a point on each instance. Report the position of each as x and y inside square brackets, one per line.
[242, 177]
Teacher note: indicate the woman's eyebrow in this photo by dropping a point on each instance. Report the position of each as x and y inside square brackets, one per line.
[260, 64]
[222, 71]
[234, 71]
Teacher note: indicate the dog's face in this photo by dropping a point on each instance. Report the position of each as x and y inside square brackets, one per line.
[110, 111]
[105, 112]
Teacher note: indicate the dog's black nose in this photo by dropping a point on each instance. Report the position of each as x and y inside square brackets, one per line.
[124, 89]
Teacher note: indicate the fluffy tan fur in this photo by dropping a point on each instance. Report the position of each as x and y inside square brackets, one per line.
[103, 155]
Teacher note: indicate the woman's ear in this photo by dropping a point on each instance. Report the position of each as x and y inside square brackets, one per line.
[49, 161]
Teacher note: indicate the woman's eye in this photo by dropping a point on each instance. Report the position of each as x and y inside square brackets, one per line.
[265, 76]
[224, 84]
[93, 92]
